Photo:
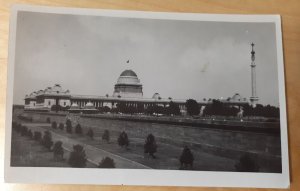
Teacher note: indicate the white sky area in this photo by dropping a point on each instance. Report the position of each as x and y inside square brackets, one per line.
[178, 59]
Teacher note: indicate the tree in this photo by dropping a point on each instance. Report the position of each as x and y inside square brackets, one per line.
[219, 108]
[122, 107]
[58, 151]
[106, 136]
[173, 109]
[150, 146]
[123, 140]
[186, 159]
[66, 108]
[29, 134]
[18, 128]
[69, 126]
[107, 163]
[106, 109]
[61, 126]
[150, 110]
[78, 129]
[77, 157]
[24, 130]
[37, 136]
[90, 133]
[260, 110]
[54, 125]
[246, 164]
[56, 108]
[47, 140]
[192, 107]
[140, 108]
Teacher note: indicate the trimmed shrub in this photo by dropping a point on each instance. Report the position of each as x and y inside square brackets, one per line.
[24, 130]
[48, 120]
[90, 133]
[37, 136]
[78, 129]
[107, 163]
[69, 126]
[47, 140]
[77, 157]
[106, 136]
[150, 146]
[186, 159]
[30, 134]
[247, 164]
[123, 139]
[54, 125]
[18, 128]
[61, 126]
[58, 151]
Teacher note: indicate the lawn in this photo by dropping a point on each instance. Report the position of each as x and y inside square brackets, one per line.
[26, 152]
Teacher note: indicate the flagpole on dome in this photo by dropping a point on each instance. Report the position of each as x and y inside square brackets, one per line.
[127, 62]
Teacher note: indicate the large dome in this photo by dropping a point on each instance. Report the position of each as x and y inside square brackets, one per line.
[128, 85]
[128, 73]
[128, 77]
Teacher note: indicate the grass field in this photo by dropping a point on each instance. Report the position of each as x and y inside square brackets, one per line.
[26, 152]
[167, 154]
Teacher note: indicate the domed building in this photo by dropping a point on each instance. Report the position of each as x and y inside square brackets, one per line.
[156, 96]
[237, 98]
[128, 93]
[128, 85]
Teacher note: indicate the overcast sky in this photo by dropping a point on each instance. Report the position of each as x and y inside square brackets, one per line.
[178, 59]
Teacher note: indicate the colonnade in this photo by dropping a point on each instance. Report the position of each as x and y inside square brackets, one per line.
[113, 103]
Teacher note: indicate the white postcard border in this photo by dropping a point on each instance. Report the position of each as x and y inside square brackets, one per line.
[146, 177]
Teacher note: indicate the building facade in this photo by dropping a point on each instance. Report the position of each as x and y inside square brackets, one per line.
[128, 90]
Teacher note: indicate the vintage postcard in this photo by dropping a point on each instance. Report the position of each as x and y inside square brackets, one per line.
[145, 98]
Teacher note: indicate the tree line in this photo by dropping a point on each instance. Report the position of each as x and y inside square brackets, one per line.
[216, 108]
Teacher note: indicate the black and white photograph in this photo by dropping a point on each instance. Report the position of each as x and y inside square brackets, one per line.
[96, 93]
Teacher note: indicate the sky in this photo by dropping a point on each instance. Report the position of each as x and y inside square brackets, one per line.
[178, 59]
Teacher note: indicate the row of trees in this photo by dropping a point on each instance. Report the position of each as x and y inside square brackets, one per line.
[77, 157]
[171, 109]
[222, 109]
[150, 146]
[45, 140]
[215, 108]
[263, 111]
[122, 140]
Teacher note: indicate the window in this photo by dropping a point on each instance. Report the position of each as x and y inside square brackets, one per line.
[64, 103]
[49, 102]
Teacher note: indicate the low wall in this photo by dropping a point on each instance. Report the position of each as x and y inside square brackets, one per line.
[229, 143]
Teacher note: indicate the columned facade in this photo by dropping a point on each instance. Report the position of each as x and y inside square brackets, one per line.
[127, 93]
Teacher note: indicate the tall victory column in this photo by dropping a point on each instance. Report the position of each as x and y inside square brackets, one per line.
[254, 99]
